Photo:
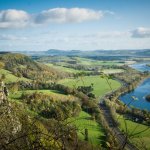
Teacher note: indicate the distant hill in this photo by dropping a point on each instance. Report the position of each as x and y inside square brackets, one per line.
[55, 52]
[22, 65]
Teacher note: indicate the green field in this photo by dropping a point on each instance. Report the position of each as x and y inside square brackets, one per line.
[64, 60]
[71, 70]
[53, 93]
[9, 77]
[142, 132]
[95, 132]
[109, 71]
[100, 84]
[88, 61]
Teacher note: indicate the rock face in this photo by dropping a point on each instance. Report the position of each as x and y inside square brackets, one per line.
[3, 97]
[9, 122]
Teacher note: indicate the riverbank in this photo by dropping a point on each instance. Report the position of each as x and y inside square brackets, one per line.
[131, 116]
[139, 93]
[112, 99]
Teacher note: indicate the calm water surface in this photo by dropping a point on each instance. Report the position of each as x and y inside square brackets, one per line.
[141, 67]
[140, 92]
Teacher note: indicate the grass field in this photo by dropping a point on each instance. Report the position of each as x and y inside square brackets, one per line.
[100, 84]
[86, 61]
[109, 71]
[142, 133]
[10, 77]
[71, 70]
[53, 93]
[63, 61]
[95, 132]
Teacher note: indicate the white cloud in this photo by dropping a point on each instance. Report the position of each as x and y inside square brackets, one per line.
[11, 37]
[12, 15]
[12, 18]
[64, 15]
[141, 32]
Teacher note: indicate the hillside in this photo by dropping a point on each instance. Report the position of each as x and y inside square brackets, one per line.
[23, 66]
[54, 100]
[10, 77]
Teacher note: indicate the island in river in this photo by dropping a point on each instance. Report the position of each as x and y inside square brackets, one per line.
[148, 98]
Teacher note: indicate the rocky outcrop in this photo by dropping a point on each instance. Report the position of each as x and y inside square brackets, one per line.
[9, 122]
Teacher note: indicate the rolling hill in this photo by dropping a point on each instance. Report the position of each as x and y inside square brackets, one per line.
[23, 66]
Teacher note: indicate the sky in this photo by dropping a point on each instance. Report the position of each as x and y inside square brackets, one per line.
[39, 25]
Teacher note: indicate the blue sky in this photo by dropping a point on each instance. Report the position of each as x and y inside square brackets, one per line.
[74, 24]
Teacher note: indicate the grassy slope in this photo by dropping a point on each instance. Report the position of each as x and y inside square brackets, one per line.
[53, 93]
[100, 85]
[95, 131]
[133, 127]
[83, 121]
[10, 77]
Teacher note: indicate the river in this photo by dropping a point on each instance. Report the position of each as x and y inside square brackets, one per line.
[140, 92]
[141, 66]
